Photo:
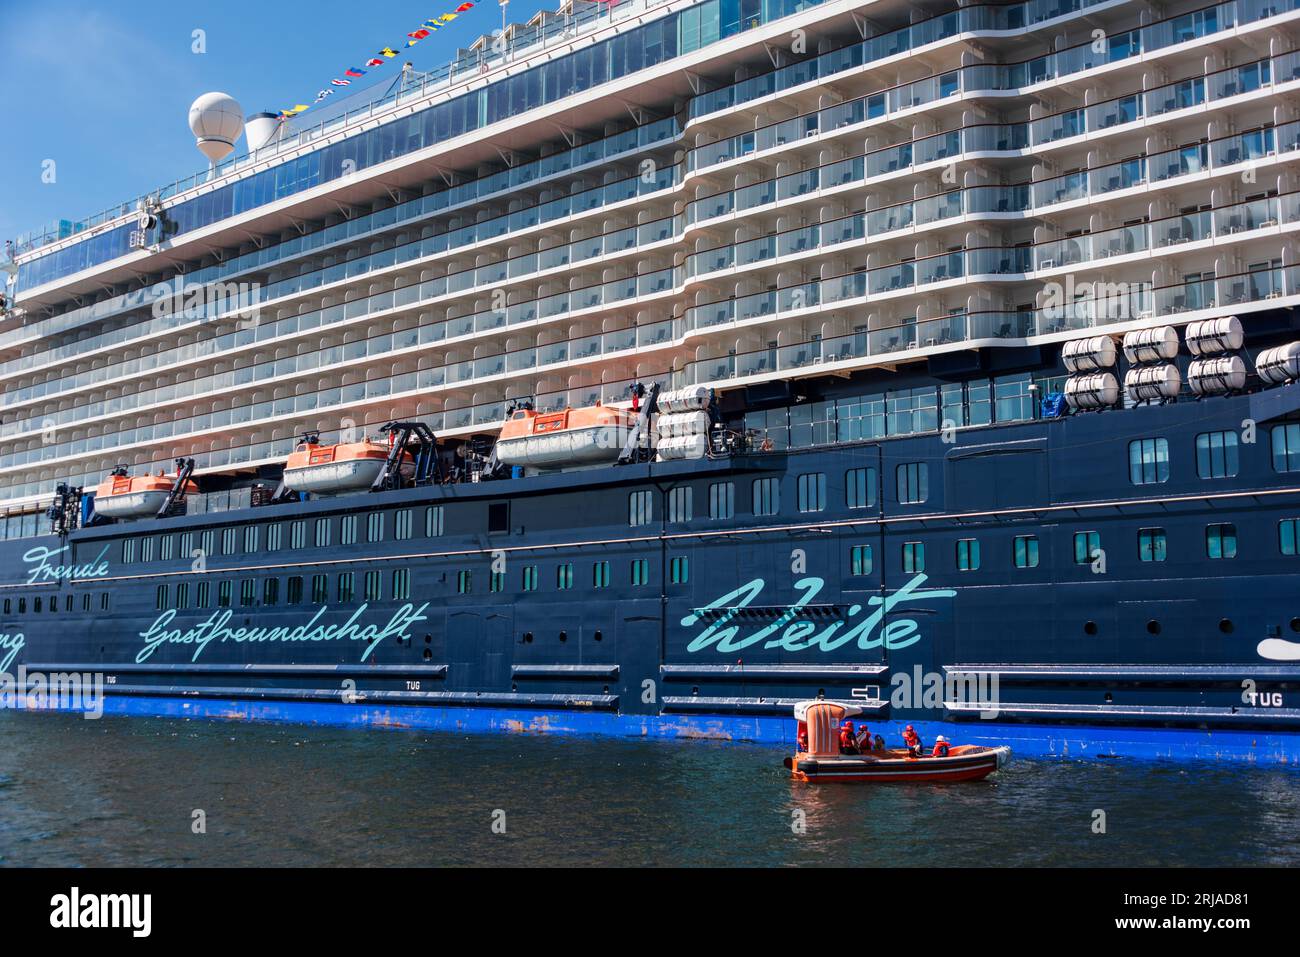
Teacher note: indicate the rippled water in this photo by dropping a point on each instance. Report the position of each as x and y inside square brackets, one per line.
[124, 791]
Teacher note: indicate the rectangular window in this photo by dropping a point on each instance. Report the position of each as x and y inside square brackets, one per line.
[1286, 447]
[247, 591]
[348, 530]
[1221, 541]
[270, 591]
[273, 533]
[375, 527]
[722, 500]
[1152, 544]
[402, 524]
[913, 483]
[160, 598]
[1024, 551]
[229, 538]
[298, 534]
[251, 535]
[812, 492]
[640, 508]
[564, 576]
[208, 543]
[496, 581]
[529, 579]
[401, 584]
[968, 554]
[225, 590]
[679, 569]
[433, 521]
[1287, 531]
[860, 560]
[128, 551]
[146, 549]
[374, 585]
[203, 595]
[1216, 455]
[85, 603]
[103, 601]
[767, 496]
[860, 488]
[1148, 461]
[600, 574]
[187, 545]
[320, 589]
[293, 591]
[464, 582]
[913, 557]
[182, 595]
[168, 549]
[322, 532]
[640, 571]
[1087, 547]
[680, 506]
[347, 587]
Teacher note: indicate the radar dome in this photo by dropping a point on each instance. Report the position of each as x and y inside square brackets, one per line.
[217, 121]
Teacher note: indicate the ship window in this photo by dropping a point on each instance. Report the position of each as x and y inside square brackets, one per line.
[247, 591]
[913, 483]
[67, 603]
[320, 589]
[640, 508]
[293, 590]
[1148, 461]
[182, 595]
[270, 591]
[722, 500]
[496, 581]
[812, 492]
[564, 576]
[464, 583]
[1024, 551]
[1087, 547]
[680, 504]
[530, 578]
[1152, 545]
[146, 549]
[202, 595]
[322, 532]
[298, 534]
[600, 574]
[968, 554]
[1216, 455]
[640, 571]
[402, 524]
[680, 570]
[168, 548]
[1286, 447]
[85, 603]
[223, 594]
[767, 496]
[1288, 535]
[228, 538]
[374, 586]
[9, 605]
[208, 543]
[128, 551]
[433, 521]
[273, 532]
[1221, 541]
[187, 545]
[251, 535]
[401, 584]
[860, 560]
[860, 488]
[347, 589]
[348, 530]
[375, 527]
[54, 604]
[103, 601]
[913, 557]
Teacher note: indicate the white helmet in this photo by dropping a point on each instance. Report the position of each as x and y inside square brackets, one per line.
[941, 738]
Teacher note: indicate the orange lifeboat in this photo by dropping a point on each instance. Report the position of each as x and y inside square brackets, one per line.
[121, 496]
[345, 467]
[545, 440]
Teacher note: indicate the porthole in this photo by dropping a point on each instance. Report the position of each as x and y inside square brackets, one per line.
[1089, 627]
[1295, 624]
[1110, 699]
[428, 639]
[528, 637]
[597, 635]
[428, 655]
[1153, 627]
[564, 636]
[1225, 625]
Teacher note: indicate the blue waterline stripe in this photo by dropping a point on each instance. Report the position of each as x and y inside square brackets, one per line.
[1037, 741]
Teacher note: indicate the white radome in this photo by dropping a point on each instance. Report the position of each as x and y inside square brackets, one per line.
[217, 121]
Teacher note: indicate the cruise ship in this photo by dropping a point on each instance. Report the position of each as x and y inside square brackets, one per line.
[660, 364]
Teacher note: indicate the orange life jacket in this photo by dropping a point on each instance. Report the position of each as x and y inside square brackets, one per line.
[940, 749]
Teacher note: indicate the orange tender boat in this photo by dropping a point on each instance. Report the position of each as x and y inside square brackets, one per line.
[344, 467]
[824, 762]
[571, 437]
[121, 496]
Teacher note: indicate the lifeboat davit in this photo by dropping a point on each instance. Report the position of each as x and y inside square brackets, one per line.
[573, 437]
[344, 467]
[823, 760]
[121, 496]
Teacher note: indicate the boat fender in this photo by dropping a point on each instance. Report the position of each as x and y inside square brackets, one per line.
[807, 767]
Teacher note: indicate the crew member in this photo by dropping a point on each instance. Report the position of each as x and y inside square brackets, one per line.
[940, 747]
[913, 741]
[848, 743]
[864, 738]
[802, 736]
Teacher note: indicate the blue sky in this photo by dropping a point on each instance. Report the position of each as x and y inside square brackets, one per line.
[103, 89]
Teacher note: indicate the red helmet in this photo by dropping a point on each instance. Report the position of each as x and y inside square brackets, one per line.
[909, 728]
